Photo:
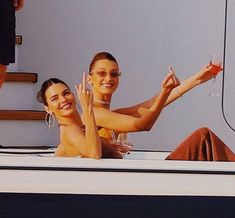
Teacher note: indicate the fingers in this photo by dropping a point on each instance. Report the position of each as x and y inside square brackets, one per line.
[125, 148]
[218, 65]
[85, 96]
[82, 86]
[209, 65]
[90, 96]
[174, 77]
[78, 89]
[211, 70]
[176, 80]
[121, 148]
[216, 62]
[171, 78]
[171, 70]
[18, 4]
[167, 78]
[84, 82]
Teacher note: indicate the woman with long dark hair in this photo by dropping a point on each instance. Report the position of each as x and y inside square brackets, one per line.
[77, 137]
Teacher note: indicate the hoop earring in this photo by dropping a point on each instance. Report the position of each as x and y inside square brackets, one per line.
[50, 120]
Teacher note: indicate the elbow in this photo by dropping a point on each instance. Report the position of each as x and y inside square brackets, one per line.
[148, 128]
[96, 155]
[145, 128]
[144, 125]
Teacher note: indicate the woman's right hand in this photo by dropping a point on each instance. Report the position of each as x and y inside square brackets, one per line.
[170, 81]
[85, 96]
[109, 149]
[92, 143]
[120, 147]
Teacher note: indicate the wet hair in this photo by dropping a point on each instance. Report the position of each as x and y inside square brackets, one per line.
[101, 56]
[41, 97]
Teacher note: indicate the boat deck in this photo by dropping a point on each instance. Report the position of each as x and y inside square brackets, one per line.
[141, 173]
[34, 183]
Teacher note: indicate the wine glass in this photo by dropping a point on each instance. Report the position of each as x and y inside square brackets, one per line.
[216, 67]
[124, 140]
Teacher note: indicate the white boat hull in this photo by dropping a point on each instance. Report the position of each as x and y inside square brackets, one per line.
[151, 183]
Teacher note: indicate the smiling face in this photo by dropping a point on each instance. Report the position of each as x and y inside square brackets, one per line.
[60, 100]
[104, 77]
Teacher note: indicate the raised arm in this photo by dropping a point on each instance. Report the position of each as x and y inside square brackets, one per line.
[74, 140]
[92, 140]
[202, 76]
[144, 122]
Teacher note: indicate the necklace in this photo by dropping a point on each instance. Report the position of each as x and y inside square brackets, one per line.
[102, 102]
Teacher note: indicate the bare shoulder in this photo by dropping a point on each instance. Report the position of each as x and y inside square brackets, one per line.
[102, 113]
[100, 109]
[71, 135]
[68, 130]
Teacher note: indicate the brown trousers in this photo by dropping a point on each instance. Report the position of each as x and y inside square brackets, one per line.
[202, 145]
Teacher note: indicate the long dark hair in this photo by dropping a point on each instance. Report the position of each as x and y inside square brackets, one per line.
[101, 56]
[41, 97]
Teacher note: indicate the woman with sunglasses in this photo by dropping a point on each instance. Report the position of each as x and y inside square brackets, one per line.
[103, 77]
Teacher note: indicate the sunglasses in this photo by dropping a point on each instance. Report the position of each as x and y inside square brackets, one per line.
[114, 74]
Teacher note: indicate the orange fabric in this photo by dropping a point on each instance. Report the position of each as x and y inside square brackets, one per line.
[202, 145]
[108, 151]
[105, 133]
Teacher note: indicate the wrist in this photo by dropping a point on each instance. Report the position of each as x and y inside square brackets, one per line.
[195, 81]
[179, 94]
[165, 92]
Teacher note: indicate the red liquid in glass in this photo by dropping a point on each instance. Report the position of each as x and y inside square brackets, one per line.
[215, 69]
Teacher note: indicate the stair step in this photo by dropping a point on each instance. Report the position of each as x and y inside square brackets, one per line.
[18, 40]
[22, 115]
[21, 77]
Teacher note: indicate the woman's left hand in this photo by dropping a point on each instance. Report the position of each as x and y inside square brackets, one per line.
[171, 81]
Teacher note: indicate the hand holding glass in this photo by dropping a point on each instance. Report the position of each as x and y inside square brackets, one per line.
[124, 140]
[215, 69]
